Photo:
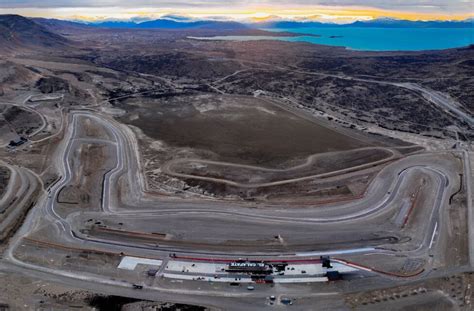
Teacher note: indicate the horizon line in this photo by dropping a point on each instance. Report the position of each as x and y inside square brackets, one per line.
[176, 18]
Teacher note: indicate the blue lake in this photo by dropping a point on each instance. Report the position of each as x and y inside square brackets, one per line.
[374, 39]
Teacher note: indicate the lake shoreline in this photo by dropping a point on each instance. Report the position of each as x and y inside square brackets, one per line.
[365, 39]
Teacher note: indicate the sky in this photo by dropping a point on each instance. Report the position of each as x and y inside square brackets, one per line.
[339, 11]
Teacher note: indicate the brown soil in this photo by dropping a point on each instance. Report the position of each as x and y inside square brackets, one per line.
[324, 163]
[235, 128]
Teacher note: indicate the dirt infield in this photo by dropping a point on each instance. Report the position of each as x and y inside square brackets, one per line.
[239, 129]
[315, 165]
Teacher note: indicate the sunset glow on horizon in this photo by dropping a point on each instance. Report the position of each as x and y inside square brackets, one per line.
[254, 13]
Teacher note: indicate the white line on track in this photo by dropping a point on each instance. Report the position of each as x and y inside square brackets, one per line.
[433, 235]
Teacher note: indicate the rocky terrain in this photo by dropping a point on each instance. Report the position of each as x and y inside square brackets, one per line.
[19, 33]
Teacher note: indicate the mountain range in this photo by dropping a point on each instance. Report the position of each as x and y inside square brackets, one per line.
[183, 22]
[18, 32]
[165, 23]
[376, 23]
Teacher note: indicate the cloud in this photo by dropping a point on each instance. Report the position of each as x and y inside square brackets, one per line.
[335, 10]
[412, 5]
[440, 6]
[110, 3]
